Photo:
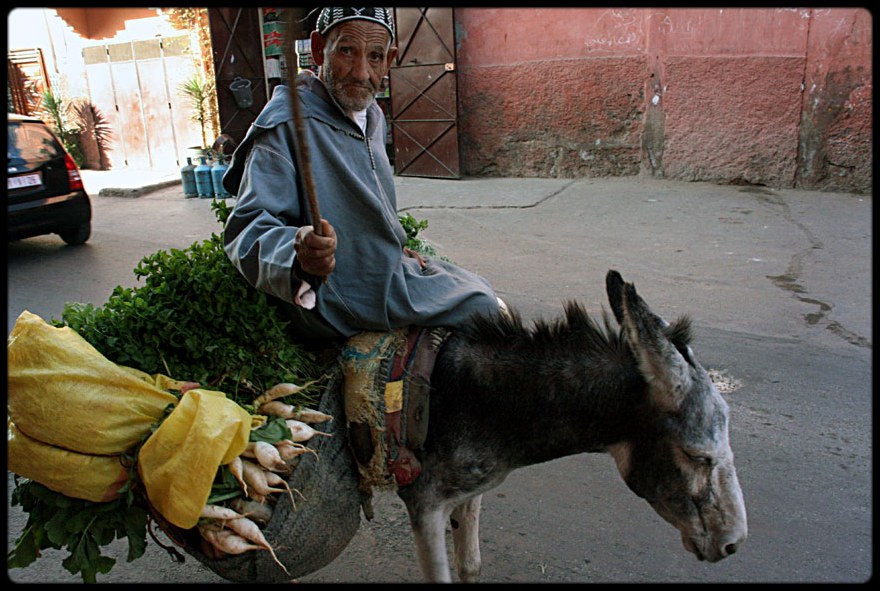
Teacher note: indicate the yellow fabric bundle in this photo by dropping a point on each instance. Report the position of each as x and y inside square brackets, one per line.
[63, 392]
[93, 478]
[71, 412]
[179, 461]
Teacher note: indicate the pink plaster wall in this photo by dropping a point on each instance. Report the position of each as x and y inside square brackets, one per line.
[692, 94]
[836, 139]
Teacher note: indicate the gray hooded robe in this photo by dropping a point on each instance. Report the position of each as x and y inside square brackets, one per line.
[374, 286]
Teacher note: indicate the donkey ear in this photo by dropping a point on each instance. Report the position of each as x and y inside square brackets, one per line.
[663, 367]
[614, 287]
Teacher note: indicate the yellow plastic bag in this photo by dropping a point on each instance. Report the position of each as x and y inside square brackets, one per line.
[179, 461]
[93, 478]
[63, 392]
[71, 411]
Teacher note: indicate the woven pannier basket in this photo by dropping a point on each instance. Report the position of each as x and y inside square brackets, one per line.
[324, 522]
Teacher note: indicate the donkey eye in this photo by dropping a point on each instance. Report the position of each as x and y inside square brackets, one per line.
[698, 458]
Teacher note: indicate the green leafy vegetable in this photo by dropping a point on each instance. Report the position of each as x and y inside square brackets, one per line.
[412, 227]
[225, 487]
[56, 521]
[274, 430]
[196, 318]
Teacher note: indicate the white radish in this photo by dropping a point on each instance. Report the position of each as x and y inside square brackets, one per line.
[276, 408]
[300, 431]
[288, 411]
[243, 535]
[309, 415]
[236, 468]
[290, 449]
[258, 498]
[273, 479]
[226, 540]
[280, 391]
[260, 513]
[250, 531]
[267, 455]
[219, 513]
[256, 477]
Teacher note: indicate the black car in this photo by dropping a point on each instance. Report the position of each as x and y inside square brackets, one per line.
[45, 193]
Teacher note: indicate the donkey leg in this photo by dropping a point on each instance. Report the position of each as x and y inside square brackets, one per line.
[466, 539]
[429, 530]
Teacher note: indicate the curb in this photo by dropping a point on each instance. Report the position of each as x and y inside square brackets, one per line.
[136, 191]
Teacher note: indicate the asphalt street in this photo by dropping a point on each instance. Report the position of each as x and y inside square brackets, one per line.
[778, 283]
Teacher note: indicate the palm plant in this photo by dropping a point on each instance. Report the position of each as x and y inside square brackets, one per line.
[200, 92]
[68, 133]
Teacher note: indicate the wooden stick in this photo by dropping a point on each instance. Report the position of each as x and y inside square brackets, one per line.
[305, 166]
[301, 146]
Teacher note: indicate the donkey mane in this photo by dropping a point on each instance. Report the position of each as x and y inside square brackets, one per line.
[680, 333]
[574, 330]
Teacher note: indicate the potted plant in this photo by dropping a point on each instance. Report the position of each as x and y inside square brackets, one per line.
[200, 92]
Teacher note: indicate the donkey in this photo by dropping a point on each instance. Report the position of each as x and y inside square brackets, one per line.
[505, 397]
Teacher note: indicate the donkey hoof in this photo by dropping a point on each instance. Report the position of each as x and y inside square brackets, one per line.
[470, 577]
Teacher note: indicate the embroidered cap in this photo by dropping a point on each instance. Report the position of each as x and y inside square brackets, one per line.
[330, 17]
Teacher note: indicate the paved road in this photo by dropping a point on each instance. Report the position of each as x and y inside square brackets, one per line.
[778, 283]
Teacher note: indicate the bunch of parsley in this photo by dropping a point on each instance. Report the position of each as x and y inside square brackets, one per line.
[195, 318]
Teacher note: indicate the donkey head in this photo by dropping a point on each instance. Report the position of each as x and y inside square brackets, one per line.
[678, 456]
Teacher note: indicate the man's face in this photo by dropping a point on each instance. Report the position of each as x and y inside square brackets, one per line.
[356, 56]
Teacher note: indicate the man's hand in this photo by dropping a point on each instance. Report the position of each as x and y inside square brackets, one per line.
[414, 255]
[316, 254]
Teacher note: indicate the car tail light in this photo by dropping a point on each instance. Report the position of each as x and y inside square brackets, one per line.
[76, 182]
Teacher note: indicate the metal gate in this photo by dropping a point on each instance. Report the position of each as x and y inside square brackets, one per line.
[134, 85]
[424, 94]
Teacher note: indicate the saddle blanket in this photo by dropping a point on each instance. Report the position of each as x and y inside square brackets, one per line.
[387, 381]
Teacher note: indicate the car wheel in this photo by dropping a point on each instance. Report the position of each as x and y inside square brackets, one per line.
[77, 234]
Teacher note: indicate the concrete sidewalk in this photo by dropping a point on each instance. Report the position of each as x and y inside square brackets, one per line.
[127, 182]
[780, 263]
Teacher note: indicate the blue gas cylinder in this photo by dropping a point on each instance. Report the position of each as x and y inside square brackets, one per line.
[204, 184]
[188, 177]
[217, 172]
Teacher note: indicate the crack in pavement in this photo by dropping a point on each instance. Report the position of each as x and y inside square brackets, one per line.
[527, 206]
[790, 280]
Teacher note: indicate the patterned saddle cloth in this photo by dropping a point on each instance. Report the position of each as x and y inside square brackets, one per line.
[387, 382]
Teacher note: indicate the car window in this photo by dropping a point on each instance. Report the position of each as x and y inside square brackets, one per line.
[30, 142]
